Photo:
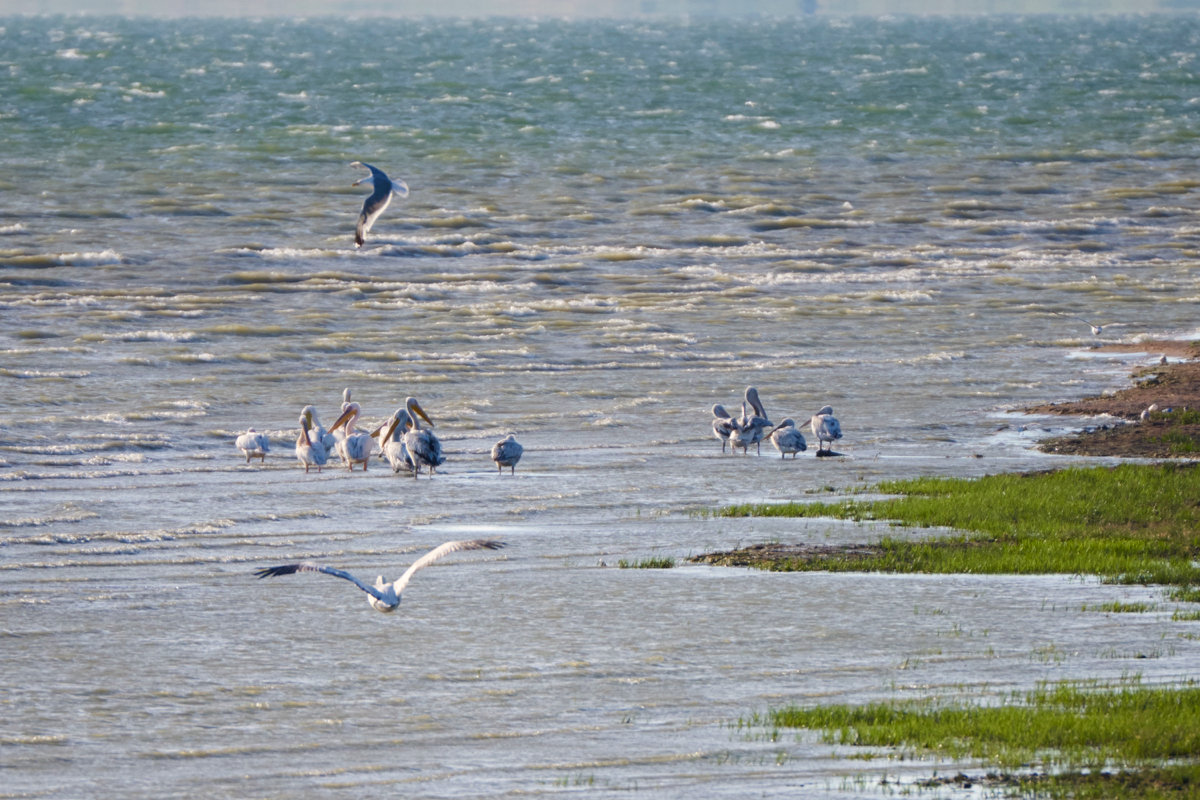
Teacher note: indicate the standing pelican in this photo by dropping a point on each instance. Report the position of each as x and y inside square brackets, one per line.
[253, 445]
[753, 428]
[423, 445]
[317, 431]
[506, 453]
[354, 448]
[391, 441]
[787, 439]
[384, 596]
[826, 428]
[311, 453]
[722, 424]
[384, 187]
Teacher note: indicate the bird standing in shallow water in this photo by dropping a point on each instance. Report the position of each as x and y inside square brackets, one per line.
[423, 445]
[353, 448]
[826, 428]
[253, 445]
[722, 424]
[311, 453]
[506, 453]
[787, 439]
[378, 200]
[384, 596]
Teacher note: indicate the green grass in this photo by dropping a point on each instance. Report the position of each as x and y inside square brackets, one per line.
[1070, 739]
[647, 563]
[1132, 523]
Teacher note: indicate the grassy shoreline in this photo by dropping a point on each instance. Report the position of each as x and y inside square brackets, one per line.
[1133, 523]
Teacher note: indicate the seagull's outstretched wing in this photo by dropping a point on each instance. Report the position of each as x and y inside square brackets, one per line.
[439, 551]
[308, 566]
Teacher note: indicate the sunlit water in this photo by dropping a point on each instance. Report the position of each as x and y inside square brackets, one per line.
[611, 227]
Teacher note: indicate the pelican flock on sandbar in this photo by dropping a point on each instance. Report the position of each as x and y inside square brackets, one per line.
[753, 426]
[384, 595]
[506, 453]
[377, 202]
[253, 445]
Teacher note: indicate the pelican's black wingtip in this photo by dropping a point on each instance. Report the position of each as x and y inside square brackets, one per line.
[493, 544]
[273, 572]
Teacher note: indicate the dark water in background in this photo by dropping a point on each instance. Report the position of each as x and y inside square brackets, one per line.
[611, 227]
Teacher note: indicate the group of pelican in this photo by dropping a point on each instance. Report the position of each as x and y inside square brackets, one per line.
[753, 426]
[401, 439]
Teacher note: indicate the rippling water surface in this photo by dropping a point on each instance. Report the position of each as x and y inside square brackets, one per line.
[611, 227]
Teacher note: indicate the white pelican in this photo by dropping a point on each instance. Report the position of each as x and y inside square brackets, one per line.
[253, 445]
[374, 205]
[423, 445]
[752, 428]
[787, 439]
[317, 431]
[311, 453]
[391, 441]
[384, 596]
[722, 424]
[506, 453]
[826, 428]
[353, 448]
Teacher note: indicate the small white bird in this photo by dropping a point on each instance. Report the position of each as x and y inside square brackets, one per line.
[384, 596]
[787, 439]
[506, 453]
[311, 453]
[384, 188]
[722, 424]
[353, 448]
[1096, 329]
[253, 445]
[826, 428]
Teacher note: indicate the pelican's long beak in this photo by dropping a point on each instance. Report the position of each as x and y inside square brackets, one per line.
[415, 406]
[387, 437]
[304, 425]
[343, 419]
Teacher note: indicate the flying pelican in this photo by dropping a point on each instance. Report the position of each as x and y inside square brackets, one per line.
[384, 596]
[253, 445]
[722, 424]
[787, 439]
[423, 445]
[826, 428]
[317, 431]
[354, 448]
[374, 205]
[506, 453]
[391, 441]
[311, 453]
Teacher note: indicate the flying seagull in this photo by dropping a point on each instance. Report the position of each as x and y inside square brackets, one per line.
[384, 596]
[374, 205]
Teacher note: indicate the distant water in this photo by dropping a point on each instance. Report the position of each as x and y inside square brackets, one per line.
[612, 226]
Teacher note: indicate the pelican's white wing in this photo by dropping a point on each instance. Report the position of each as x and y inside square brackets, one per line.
[440, 551]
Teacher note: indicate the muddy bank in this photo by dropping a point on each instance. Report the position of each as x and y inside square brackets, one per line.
[1173, 386]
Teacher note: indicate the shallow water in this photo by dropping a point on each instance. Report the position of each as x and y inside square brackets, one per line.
[611, 227]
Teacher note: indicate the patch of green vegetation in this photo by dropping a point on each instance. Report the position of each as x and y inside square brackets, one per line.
[647, 563]
[1130, 741]
[1133, 523]
[1117, 607]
